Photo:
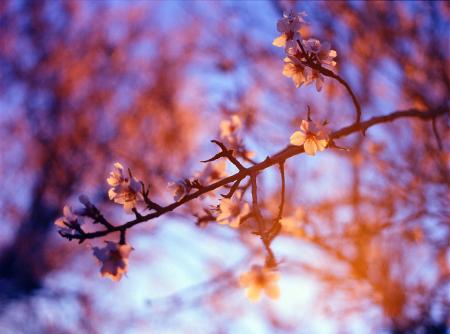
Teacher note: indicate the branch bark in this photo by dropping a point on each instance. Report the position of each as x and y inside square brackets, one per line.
[277, 158]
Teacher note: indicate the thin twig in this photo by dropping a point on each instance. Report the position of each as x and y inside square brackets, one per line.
[228, 154]
[255, 206]
[123, 240]
[283, 191]
[331, 74]
[436, 133]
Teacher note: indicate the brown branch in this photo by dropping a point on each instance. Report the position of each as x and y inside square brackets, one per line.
[316, 65]
[227, 154]
[255, 206]
[277, 158]
[233, 189]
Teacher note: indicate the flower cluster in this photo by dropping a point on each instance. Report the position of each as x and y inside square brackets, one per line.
[114, 259]
[114, 256]
[260, 279]
[124, 190]
[313, 136]
[304, 58]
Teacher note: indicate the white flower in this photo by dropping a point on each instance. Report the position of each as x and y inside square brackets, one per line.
[114, 259]
[69, 222]
[322, 52]
[294, 69]
[178, 189]
[313, 137]
[289, 27]
[260, 279]
[290, 22]
[229, 129]
[280, 41]
[124, 190]
[231, 211]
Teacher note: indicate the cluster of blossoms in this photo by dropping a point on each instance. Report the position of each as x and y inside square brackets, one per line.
[114, 259]
[129, 192]
[124, 190]
[304, 58]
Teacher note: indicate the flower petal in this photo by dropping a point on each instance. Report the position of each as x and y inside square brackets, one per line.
[310, 147]
[304, 126]
[253, 292]
[272, 290]
[321, 144]
[298, 138]
[280, 41]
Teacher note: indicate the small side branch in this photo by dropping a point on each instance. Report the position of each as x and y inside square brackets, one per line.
[283, 191]
[255, 206]
[436, 133]
[227, 154]
[331, 74]
[233, 189]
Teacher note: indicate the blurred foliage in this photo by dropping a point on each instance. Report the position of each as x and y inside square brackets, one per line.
[84, 84]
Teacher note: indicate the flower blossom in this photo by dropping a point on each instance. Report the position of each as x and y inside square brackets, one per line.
[178, 189]
[323, 56]
[70, 222]
[321, 51]
[300, 73]
[260, 279]
[293, 224]
[304, 57]
[313, 137]
[289, 25]
[293, 68]
[229, 129]
[124, 190]
[213, 172]
[231, 211]
[114, 259]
